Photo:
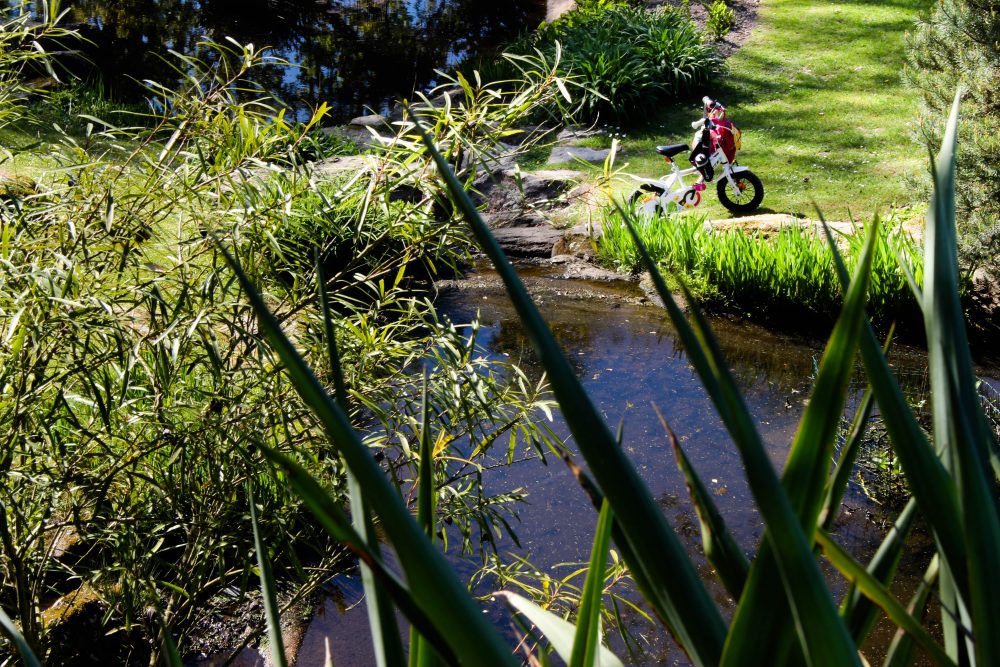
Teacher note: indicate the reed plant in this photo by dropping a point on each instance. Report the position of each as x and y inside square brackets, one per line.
[786, 612]
[780, 276]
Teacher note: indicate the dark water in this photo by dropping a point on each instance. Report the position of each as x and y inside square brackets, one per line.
[629, 359]
[354, 54]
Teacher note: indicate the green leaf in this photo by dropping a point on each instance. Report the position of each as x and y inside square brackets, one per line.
[721, 548]
[267, 590]
[878, 594]
[588, 623]
[675, 590]
[901, 648]
[559, 632]
[858, 612]
[16, 638]
[960, 429]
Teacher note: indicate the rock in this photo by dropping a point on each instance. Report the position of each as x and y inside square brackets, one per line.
[335, 166]
[371, 120]
[532, 241]
[561, 154]
[578, 241]
[546, 185]
[580, 270]
[568, 134]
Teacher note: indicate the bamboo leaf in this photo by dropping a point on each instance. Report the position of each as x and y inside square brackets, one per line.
[558, 631]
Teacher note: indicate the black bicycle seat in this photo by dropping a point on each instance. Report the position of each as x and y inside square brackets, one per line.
[671, 150]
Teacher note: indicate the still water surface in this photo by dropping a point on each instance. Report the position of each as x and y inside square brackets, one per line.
[354, 54]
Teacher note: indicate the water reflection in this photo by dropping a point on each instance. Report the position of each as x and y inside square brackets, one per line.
[352, 53]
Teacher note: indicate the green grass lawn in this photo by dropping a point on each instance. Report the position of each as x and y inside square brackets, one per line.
[826, 118]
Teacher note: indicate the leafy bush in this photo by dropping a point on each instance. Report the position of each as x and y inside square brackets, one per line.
[624, 60]
[957, 44]
[136, 395]
[720, 19]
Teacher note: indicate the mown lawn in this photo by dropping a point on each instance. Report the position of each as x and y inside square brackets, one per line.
[826, 117]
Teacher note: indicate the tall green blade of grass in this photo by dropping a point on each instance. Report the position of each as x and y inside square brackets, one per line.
[386, 641]
[267, 589]
[421, 654]
[808, 465]
[859, 613]
[587, 641]
[720, 546]
[676, 592]
[932, 486]
[17, 639]
[901, 648]
[879, 594]
[959, 426]
[334, 520]
[434, 587]
[823, 637]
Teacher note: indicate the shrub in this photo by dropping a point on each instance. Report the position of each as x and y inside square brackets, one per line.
[720, 19]
[958, 44]
[625, 60]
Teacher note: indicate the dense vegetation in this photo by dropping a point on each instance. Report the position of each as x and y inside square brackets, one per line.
[786, 612]
[788, 276]
[136, 391]
[624, 60]
[959, 44]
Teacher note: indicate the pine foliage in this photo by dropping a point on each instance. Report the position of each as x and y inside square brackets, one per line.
[959, 44]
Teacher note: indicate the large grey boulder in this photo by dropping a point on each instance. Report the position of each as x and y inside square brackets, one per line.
[530, 241]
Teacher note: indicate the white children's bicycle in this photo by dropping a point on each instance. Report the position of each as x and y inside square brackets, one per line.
[714, 146]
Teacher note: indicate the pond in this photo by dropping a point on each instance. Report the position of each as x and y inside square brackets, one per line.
[629, 360]
[354, 54]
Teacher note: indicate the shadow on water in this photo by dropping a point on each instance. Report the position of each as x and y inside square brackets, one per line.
[354, 54]
[628, 358]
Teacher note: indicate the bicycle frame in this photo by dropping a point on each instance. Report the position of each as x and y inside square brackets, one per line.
[671, 193]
